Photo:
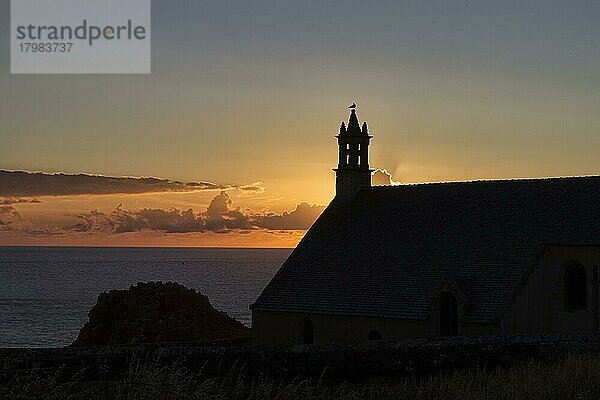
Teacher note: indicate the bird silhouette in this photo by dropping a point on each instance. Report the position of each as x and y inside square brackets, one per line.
[353, 105]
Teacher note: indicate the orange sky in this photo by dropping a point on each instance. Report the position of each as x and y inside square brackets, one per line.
[239, 216]
[248, 220]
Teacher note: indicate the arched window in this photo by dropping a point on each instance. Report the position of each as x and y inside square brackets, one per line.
[448, 315]
[375, 335]
[575, 287]
[307, 332]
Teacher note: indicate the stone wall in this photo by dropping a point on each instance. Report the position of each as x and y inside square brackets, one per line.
[340, 361]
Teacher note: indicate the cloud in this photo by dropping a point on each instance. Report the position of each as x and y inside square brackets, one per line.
[94, 221]
[11, 220]
[30, 184]
[17, 200]
[301, 218]
[219, 217]
[170, 221]
[256, 187]
[382, 177]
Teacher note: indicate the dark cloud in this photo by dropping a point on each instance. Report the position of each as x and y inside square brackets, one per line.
[301, 218]
[219, 217]
[17, 200]
[382, 178]
[256, 187]
[29, 184]
[11, 220]
[94, 221]
[171, 221]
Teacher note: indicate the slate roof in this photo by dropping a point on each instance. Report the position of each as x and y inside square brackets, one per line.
[390, 249]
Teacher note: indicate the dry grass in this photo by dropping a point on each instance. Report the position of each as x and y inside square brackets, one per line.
[577, 377]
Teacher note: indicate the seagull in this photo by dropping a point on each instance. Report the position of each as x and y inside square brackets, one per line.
[353, 105]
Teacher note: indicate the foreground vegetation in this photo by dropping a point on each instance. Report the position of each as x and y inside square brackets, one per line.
[577, 377]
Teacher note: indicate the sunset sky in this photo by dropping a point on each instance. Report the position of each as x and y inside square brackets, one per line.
[246, 97]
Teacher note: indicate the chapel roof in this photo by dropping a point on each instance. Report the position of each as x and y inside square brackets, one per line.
[390, 250]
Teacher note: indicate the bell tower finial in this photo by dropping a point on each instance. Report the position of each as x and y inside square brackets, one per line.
[353, 170]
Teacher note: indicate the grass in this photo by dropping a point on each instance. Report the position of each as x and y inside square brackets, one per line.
[577, 377]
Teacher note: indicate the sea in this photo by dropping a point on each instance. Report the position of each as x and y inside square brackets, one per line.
[47, 292]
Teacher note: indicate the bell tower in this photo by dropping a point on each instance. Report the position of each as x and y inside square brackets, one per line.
[353, 170]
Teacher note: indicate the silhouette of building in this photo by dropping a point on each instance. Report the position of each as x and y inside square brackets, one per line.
[440, 259]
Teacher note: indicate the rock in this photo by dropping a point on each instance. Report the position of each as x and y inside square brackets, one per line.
[156, 312]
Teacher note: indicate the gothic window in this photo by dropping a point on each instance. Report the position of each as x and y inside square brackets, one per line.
[448, 316]
[575, 287]
[375, 335]
[347, 159]
[307, 332]
[358, 160]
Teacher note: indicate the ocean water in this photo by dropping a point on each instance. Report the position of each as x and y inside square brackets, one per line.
[46, 292]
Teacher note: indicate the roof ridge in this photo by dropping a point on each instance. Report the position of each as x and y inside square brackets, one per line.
[472, 181]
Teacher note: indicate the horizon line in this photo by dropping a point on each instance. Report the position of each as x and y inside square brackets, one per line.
[148, 247]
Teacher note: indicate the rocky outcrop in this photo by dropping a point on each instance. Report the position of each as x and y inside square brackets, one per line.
[156, 312]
